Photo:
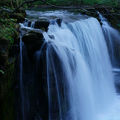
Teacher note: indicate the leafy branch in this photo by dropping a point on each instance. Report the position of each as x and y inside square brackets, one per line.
[1, 71]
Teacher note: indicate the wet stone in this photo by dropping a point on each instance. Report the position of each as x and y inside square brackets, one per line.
[42, 25]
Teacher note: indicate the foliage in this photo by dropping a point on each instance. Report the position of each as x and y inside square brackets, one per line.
[16, 3]
[79, 2]
[107, 2]
[11, 3]
[8, 34]
[65, 2]
[7, 29]
[1, 71]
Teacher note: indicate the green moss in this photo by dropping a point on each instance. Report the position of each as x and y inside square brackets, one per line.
[7, 30]
[8, 34]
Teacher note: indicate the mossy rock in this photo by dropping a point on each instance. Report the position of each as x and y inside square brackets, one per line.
[7, 30]
[33, 41]
[42, 24]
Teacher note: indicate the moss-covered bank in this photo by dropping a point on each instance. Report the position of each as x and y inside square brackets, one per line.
[9, 44]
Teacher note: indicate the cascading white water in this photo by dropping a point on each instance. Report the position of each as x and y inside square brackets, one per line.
[79, 69]
[80, 83]
[21, 77]
[112, 36]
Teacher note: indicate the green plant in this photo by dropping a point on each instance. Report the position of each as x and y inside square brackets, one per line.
[1, 71]
[7, 30]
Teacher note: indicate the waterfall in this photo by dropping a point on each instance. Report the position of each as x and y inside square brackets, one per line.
[78, 61]
[112, 37]
[74, 72]
[21, 77]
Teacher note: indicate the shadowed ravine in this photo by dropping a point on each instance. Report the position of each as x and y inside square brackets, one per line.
[66, 72]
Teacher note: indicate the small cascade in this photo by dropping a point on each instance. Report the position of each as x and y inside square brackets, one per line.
[28, 23]
[21, 77]
[32, 24]
[112, 37]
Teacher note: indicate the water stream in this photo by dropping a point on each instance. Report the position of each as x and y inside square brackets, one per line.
[75, 69]
[112, 37]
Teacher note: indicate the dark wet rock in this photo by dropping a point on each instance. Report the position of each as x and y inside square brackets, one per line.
[32, 37]
[59, 21]
[3, 57]
[42, 25]
[29, 23]
[3, 51]
[51, 36]
[13, 51]
[3, 41]
[33, 41]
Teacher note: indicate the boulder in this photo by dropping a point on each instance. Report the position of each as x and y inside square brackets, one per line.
[3, 51]
[59, 21]
[3, 57]
[51, 37]
[42, 25]
[32, 37]
[33, 41]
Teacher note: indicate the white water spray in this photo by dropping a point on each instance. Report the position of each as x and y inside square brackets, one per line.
[82, 74]
[112, 37]
[79, 73]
